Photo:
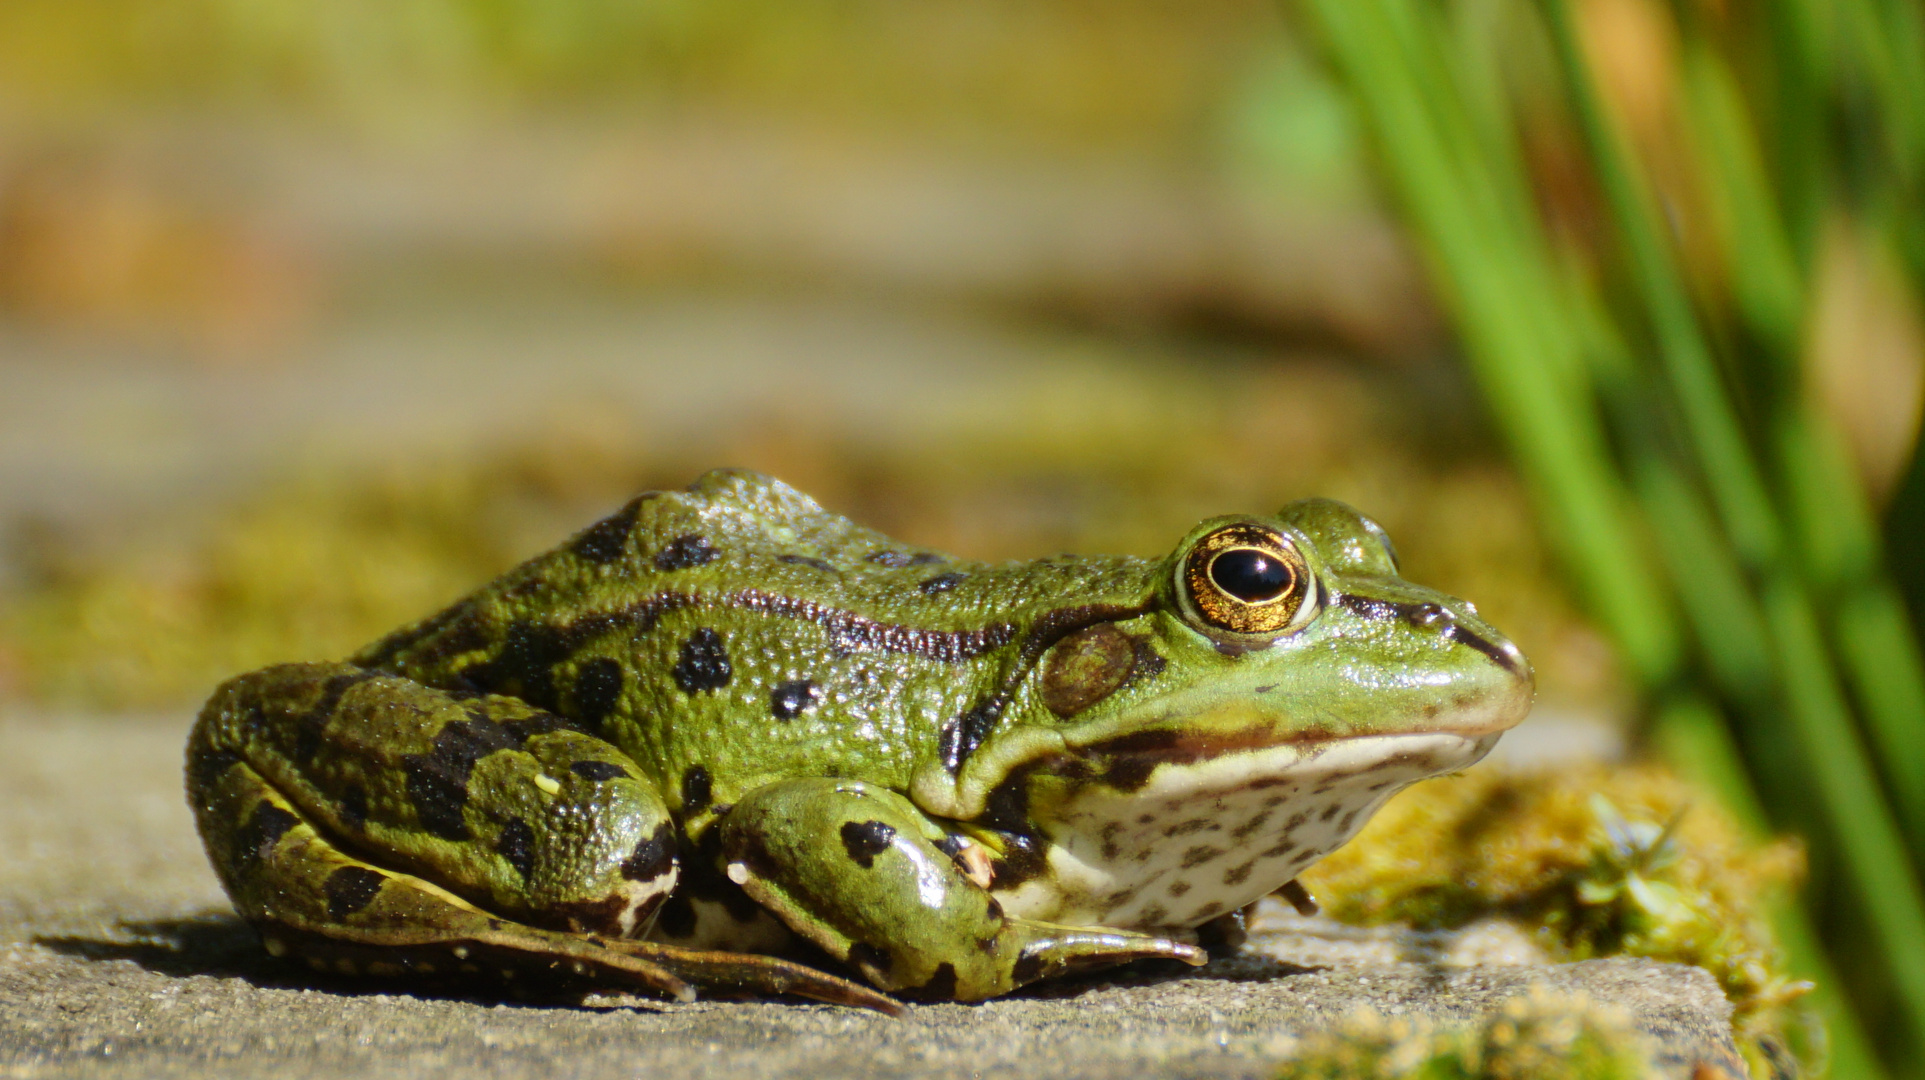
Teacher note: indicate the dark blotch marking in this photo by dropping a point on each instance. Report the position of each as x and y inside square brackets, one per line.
[603, 541]
[309, 724]
[208, 766]
[941, 583]
[264, 828]
[524, 667]
[892, 559]
[516, 844]
[652, 857]
[924, 558]
[941, 985]
[686, 551]
[1282, 848]
[1194, 825]
[809, 561]
[529, 726]
[1242, 832]
[438, 779]
[597, 770]
[1237, 874]
[1348, 820]
[1179, 887]
[697, 789]
[788, 700]
[350, 889]
[874, 957]
[1199, 855]
[704, 663]
[1153, 915]
[1330, 811]
[598, 688]
[354, 807]
[864, 840]
[1029, 967]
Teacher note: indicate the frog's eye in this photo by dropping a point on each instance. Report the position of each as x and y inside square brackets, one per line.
[1248, 579]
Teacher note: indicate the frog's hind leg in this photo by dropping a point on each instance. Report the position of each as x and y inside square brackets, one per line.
[363, 819]
[310, 899]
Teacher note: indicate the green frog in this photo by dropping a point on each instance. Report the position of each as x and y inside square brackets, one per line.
[725, 737]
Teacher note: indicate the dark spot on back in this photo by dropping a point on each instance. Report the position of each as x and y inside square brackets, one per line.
[516, 844]
[874, 957]
[652, 857]
[597, 770]
[603, 541]
[807, 560]
[350, 889]
[941, 583]
[598, 689]
[438, 779]
[891, 559]
[354, 807]
[697, 789]
[704, 663]
[864, 840]
[684, 552]
[264, 828]
[524, 665]
[789, 699]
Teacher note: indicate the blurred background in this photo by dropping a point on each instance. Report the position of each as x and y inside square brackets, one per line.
[312, 317]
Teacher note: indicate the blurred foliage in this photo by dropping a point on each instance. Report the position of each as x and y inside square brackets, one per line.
[1648, 220]
[1598, 862]
[335, 554]
[1542, 1035]
[1135, 73]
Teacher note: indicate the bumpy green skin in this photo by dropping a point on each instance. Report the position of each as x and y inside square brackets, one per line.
[725, 719]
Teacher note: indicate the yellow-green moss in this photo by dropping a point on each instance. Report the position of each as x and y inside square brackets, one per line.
[1599, 861]
[1537, 1036]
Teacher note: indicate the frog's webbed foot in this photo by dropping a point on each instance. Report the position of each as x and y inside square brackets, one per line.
[855, 869]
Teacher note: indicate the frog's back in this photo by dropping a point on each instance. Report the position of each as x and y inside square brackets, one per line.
[737, 632]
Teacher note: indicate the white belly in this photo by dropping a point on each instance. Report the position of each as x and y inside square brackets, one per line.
[1208, 837]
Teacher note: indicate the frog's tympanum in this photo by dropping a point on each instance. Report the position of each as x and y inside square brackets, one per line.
[725, 737]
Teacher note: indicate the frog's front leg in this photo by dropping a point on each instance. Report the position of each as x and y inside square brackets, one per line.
[368, 823]
[855, 869]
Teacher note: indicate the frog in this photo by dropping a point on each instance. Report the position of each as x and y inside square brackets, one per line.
[725, 739]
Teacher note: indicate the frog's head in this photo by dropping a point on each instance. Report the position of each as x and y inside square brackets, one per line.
[1277, 684]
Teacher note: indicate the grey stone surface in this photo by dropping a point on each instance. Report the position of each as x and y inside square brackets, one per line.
[117, 958]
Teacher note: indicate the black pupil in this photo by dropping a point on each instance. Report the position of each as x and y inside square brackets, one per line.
[1250, 575]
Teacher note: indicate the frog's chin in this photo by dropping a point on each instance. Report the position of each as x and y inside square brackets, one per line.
[1187, 840]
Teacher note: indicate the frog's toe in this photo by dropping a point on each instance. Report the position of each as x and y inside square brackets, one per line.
[1062, 950]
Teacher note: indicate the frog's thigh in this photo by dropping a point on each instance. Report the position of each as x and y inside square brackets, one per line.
[310, 899]
[489, 798]
[854, 868]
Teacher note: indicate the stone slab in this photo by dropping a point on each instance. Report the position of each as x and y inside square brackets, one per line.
[117, 958]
